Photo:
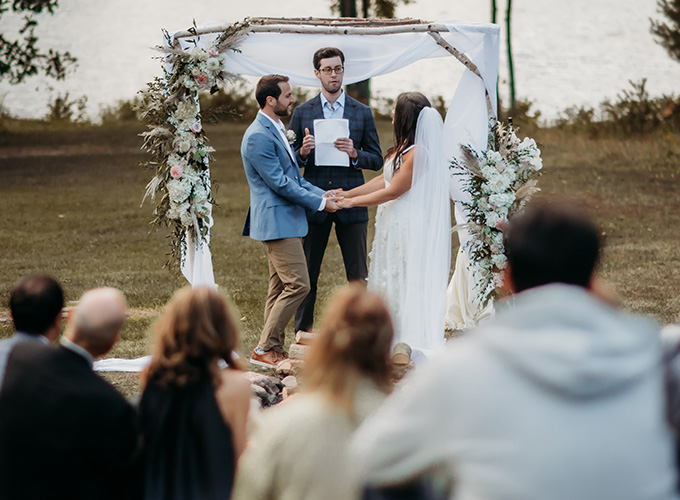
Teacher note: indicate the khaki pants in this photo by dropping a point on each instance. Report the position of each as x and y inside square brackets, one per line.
[288, 287]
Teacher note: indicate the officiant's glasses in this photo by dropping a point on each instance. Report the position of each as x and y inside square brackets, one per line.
[338, 70]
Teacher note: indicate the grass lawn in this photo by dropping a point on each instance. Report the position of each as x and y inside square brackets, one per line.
[70, 206]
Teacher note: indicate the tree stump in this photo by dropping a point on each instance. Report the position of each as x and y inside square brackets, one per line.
[305, 338]
[298, 351]
[401, 355]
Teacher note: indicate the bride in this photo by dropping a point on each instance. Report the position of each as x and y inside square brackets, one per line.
[410, 257]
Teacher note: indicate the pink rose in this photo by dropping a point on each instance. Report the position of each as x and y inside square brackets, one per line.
[213, 52]
[196, 127]
[176, 172]
[201, 78]
[501, 223]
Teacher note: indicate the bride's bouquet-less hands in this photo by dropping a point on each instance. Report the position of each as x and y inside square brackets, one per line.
[500, 181]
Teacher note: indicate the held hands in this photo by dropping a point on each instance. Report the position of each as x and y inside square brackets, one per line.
[333, 196]
[307, 144]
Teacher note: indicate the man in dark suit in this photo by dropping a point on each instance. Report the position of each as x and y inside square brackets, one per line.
[65, 433]
[363, 149]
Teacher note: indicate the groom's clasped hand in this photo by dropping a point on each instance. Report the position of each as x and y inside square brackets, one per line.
[333, 199]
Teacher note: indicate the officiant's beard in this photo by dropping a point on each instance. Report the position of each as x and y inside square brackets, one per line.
[332, 87]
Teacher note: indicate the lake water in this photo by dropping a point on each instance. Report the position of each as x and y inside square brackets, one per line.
[566, 53]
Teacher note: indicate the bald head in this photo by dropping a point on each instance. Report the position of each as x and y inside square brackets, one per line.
[97, 319]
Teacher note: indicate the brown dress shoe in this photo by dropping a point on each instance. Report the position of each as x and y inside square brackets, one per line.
[269, 359]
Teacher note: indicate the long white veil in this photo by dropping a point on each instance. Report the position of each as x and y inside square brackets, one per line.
[429, 242]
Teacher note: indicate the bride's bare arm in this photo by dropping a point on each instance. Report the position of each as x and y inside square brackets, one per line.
[401, 182]
[371, 186]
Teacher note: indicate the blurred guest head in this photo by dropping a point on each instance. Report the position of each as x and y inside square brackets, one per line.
[551, 242]
[354, 341]
[196, 330]
[35, 304]
[94, 324]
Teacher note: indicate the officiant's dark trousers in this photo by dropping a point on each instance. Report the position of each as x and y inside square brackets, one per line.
[352, 241]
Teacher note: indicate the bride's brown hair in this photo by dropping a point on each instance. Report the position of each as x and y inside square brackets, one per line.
[406, 112]
[196, 330]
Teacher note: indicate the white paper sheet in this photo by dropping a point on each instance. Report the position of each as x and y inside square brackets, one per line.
[325, 134]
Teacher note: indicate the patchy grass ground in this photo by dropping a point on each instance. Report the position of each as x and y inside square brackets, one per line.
[70, 206]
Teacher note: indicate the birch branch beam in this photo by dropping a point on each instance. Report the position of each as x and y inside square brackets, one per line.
[314, 29]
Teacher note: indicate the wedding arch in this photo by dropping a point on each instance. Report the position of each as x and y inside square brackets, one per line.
[205, 56]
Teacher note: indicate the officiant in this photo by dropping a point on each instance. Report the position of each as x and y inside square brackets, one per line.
[362, 148]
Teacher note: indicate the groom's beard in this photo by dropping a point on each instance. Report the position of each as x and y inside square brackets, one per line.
[281, 111]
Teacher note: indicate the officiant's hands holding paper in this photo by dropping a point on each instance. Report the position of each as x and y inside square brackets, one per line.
[346, 145]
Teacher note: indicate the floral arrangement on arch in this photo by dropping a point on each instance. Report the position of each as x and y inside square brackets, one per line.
[180, 154]
[500, 181]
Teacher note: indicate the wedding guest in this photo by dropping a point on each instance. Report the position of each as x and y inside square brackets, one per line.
[299, 451]
[193, 412]
[64, 431]
[559, 396]
[363, 148]
[35, 306]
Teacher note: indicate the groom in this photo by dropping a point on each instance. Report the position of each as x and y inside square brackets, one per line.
[279, 197]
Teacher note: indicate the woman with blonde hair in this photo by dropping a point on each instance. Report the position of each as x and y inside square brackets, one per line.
[300, 448]
[193, 410]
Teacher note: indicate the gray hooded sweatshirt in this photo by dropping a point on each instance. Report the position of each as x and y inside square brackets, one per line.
[559, 397]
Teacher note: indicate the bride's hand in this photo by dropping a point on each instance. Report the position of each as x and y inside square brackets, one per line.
[345, 203]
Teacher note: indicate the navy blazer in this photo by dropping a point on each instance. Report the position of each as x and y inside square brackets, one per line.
[363, 133]
[278, 193]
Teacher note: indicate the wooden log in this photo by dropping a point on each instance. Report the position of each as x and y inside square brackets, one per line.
[305, 338]
[290, 383]
[288, 367]
[401, 355]
[298, 351]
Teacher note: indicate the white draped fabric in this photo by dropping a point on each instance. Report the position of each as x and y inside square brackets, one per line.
[369, 56]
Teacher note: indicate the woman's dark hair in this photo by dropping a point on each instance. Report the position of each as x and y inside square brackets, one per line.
[268, 86]
[196, 330]
[406, 112]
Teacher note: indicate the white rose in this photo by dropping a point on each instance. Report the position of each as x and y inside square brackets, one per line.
[179, 189]
[198, 53]
[213, 64]
[527, 143]
[493, 158]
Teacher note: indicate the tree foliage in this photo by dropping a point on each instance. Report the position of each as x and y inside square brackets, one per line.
[667, 34]
[369, 8]
[22, 58]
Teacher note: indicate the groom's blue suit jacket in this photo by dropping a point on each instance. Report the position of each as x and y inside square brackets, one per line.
[279, 195]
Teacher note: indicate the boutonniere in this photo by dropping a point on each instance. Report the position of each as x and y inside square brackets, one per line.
[290, 135]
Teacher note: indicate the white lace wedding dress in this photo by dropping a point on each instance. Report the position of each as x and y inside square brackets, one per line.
[410, 256]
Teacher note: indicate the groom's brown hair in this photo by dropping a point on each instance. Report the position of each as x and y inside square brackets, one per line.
[268, 86]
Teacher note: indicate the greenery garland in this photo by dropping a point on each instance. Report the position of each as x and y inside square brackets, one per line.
[180, 154]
